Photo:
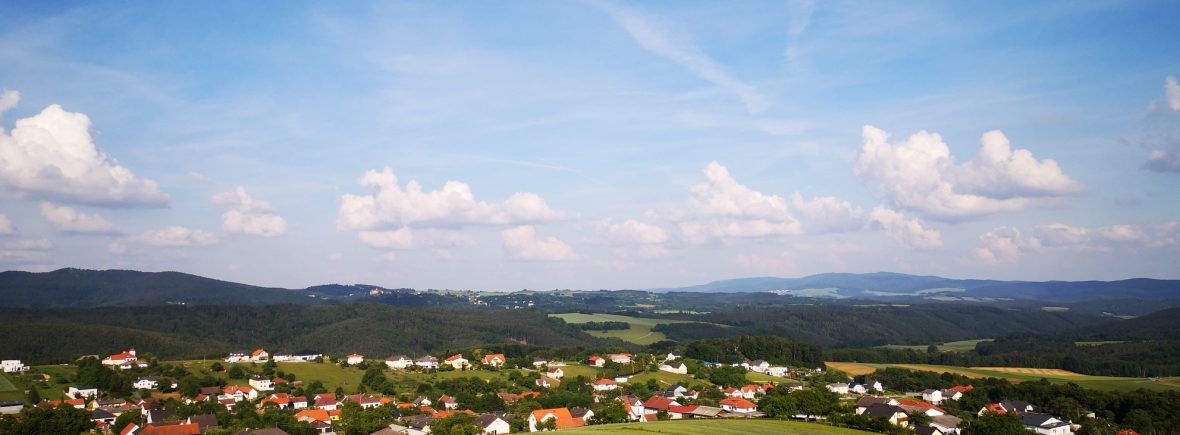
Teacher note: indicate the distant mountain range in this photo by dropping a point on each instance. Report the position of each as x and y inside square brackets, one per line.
[897, 286]
[77, 288]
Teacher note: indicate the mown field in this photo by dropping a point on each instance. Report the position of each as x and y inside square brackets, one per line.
[1019, 374]
[639, 333]
[9, 390]
[953, 346]
[715, 427]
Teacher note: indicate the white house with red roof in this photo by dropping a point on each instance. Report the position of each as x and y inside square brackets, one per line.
[620, 358]
[259, 356]
[494, 360]
[354, 359]
[457, 361]
[543, 383]
[125, 360]
[238, 393]
[605, 384]
[596, 361]
[738, 404]
[555, 373]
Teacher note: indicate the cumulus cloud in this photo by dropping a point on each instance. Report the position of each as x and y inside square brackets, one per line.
[827, 214]
[247, 215]
[69, 220]
[731, 209]
[522, 243]
[908, 232]
[6, 226]
[1008, 244]
[391, 206]
[8, 100]
[632, 231]
[659, 38]
[168, 237]
[52, 155]
[25, 250]
[920, 174]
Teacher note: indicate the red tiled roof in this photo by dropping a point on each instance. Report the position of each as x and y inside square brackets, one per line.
[454, 357]
[658, 402]
[172, 429]
[258, 352]
[738, 402]
[564, 419]
[314, 414]
[682, 409]
[919, 404]
[489, 357]
[605, 381]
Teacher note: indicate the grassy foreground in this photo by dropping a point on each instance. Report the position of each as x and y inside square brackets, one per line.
[1021, 374]
[715, 427]
[639, 333]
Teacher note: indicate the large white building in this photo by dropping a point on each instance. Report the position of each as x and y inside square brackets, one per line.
[13, 366]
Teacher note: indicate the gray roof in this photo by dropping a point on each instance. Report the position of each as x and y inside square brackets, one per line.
[577, 412]
[927, 430]
[396, 358]
[946, 420]
[882, 410]
[485, 419]
[707, 411]
[204, 421]
[101, 414]
[1040, 420]
[867, 401]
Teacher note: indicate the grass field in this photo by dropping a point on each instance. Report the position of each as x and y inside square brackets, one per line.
[1018, 374]
[639, 333]
[666, 378]
[954, 346]
[715, 427]
[9, 390]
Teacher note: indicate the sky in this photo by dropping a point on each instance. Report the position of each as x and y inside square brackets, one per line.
[590, 144]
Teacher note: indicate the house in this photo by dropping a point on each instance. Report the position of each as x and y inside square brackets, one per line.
[259, 356]
[491, 424]
[956, 392]
[398, 362]
[866, 401]
[838, 388]
[163, 429]
[301, 356]
[932, 396]
[657, 403]
[738, 404]
[457, 361]
[1008, 406]
[538, 361]
[620, 358]
[1045, 424]
[354, 359]
[422, 401]
[793, 386]
[919, 407]
[236, 357]
[596, 361]
[427, 362]
[675, 392]
[555, 373]
[13, 366]
[125, 360]
[875, 386]
[894, 414]
[585, 414]
[325, 401]
[634, 406]
[858, 388]
[152, 383]
[159, 416]
[11, 406]
[364, 400]
[238, 393]
[262, 383]
[759, 366]
[543, 383]
[204, 422]
[947, 424]
[493, 360]
[672, 356]
[285, 401]
[750, 391]
[605, 384]
[680, 369]
[560, 416]
[778, 371]
[448, 402]
[928, 430]
[81, 392]
[742, 362]
[314, 415]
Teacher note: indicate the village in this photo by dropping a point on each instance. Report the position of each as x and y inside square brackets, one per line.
[601, 388]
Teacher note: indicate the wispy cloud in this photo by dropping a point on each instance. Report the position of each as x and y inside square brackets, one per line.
[661, 38]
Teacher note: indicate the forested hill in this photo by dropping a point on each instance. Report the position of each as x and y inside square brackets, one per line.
[376, 330]
[67, 288]
[1160, 325]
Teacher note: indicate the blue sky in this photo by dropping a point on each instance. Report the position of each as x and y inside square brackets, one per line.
[593, 144]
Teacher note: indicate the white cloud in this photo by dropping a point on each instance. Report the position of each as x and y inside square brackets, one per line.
[1172, 94]
[405, 238]
[920, 174]
[522, 244]
[828, 214]
[799, 15]
[401, 238]
[246, 215]
[659, 38]
[730, 209]
[168, 237]
[909, 232]
[632, 231]
[392, 206]
[1007, 244]
[6, 226]
[1163, 161]
[52, 155]
[25, 250]
[70, 220]
[8, 100]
